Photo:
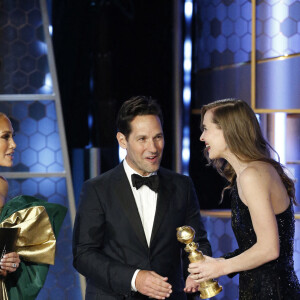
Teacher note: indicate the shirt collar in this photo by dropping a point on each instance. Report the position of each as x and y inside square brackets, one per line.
[129, 171]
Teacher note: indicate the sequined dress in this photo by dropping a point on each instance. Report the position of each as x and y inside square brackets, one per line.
[275, 280]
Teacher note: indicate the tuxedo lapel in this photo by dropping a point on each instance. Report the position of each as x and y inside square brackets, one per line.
[163, 201]
[128, 204]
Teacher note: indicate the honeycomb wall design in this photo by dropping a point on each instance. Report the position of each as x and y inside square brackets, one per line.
[224, 34]
[37, 137]
[23, 52]
[24, 70]
[277, 28]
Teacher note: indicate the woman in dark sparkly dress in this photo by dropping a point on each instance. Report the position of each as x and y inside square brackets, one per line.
[262, 198]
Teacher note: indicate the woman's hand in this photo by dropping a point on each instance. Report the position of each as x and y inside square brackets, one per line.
[10, 262]
[208, 269]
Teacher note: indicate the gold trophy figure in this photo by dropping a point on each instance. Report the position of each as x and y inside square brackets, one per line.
[186, 235]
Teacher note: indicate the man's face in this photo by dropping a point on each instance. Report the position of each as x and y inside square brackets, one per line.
[144, 145]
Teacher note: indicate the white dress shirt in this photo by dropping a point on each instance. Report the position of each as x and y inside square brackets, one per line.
[146, 201]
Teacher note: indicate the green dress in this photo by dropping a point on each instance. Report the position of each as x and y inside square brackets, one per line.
[39, 222]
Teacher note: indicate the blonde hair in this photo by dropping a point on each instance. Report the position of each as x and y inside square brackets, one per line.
[244, 138]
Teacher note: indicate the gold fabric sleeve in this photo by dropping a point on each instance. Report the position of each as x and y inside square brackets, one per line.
[36, 241]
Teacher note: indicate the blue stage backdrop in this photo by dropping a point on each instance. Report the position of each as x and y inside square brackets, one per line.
[27, 96]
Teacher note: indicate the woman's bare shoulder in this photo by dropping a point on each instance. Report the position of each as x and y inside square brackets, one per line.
[259, 168]
[258, 173]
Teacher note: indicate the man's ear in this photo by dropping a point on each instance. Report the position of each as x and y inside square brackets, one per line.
[122, 140]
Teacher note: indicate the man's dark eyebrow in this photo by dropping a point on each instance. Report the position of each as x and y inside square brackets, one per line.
[140, 136]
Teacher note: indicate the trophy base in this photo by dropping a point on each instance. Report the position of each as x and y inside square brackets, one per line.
[210, 290]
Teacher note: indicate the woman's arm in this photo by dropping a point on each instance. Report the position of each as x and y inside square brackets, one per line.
[254, 187]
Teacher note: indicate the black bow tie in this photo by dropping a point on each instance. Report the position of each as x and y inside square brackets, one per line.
[152, 181]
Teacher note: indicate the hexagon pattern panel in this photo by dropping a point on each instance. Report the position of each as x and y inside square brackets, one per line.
[278, 35]
[23, 51]
[37, 136]
[277, 28]
[223, 36]
[222, 240]
[24, 69]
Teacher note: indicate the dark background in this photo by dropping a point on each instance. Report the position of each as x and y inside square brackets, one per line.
[108, 51]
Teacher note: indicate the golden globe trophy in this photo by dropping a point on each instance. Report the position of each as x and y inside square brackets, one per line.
[186, 235]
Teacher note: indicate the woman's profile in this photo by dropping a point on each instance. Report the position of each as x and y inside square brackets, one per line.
[262, 198]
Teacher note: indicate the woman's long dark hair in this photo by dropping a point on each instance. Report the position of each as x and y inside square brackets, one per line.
[244, 138]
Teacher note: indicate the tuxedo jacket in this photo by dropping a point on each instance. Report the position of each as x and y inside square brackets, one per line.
[109, 242]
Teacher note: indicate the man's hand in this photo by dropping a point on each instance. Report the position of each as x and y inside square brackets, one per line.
[191, 286]
[153, 285]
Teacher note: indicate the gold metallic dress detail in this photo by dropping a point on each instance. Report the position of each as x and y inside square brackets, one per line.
[36, 241]
[39, 223]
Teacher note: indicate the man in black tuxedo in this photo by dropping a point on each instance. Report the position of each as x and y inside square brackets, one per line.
[124, 239]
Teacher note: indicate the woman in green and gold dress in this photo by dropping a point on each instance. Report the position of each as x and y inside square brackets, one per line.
[24, 271]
